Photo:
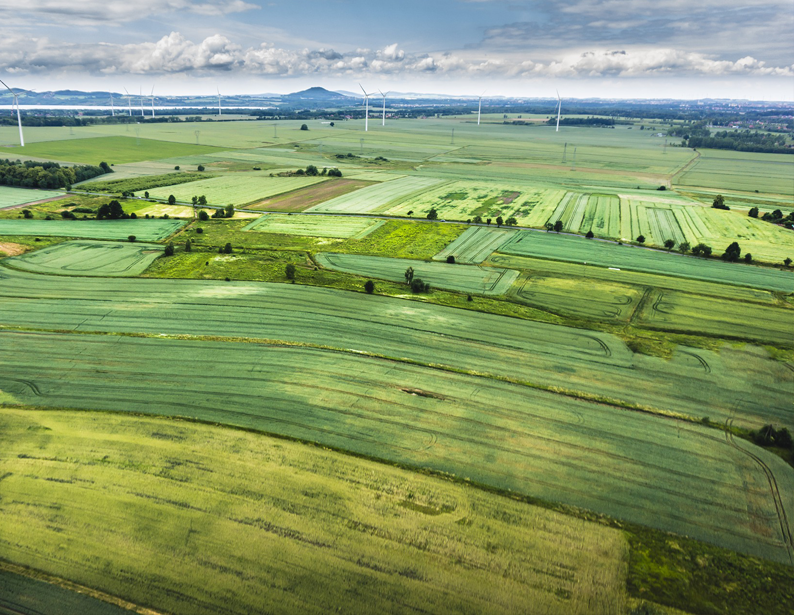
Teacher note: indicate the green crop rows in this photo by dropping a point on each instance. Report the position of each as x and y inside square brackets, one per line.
[315, 226]
[463, 278]
[475, 245]
[144, 230]
[378, 198]
[89, 258]
[10, 196]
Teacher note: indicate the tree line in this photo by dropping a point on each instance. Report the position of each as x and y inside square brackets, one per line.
[47, 175]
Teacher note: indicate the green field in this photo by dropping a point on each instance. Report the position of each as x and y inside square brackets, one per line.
[90, 258]
[112, 150]
[638, 467]
[240, 189]
[22, 595]
[579, 361]
[144, 230]
[10, 196]
[195, 519]
[342, 227]
[475, 245]
[462, 278]
[141, 183]
[740, 171]
[578, 249]
[378, 198]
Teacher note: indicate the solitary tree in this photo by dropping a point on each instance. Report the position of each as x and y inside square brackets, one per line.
[289, 271]
[311, 170]
[418, 286]
[732, 253]
[203, 216]
[549, 226]
[753, 213]
[748, 258]
[432, 214]
[131, 238]
[409, 275]
[188, 246]
[146, 194]
[369, 286]
[169, 250]
[499, 221]
[669, 244]
[558, 226]
[227, 249]
[701, 250]
[719, 202]
[787, 262]
[511, 221]
[176, 168]
[304, 127]
[194, 200]
[171, 199]
[590, 234]
[451, 259]
[477, 220]
[683, 247]
[200, 167]
[641, 239]
[202, 201]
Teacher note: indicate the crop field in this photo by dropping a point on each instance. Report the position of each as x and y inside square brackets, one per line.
[161, 209]
[144, 230]
[741, 171]
[141, 183]
[303, 198]
[463, 278]
[633, 466]
[462, 200]
[378, 198]
[696, 314]
[10, 196]
[316, 226]
[109, 149]
[22, 595]
[90, 258]
[582, 362]
[578, 249]
[227, 519]
[475, 245]
[239, 189]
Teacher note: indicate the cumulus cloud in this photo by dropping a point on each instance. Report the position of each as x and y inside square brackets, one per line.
[174, 54]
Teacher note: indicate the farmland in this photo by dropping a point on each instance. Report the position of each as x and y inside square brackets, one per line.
[466, 279]
[378, 198]
[379, 538]
[577, 249]
[234, 189]
[741, 171]
[139, 184]
[315, 226]
[11, 197]
[144, 230]
[303, 198]
[113, 150]
[90, 258]
[475, 245]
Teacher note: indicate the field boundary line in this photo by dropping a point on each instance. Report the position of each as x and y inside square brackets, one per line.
[32, 573]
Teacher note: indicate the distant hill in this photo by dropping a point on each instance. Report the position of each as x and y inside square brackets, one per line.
[315, 94]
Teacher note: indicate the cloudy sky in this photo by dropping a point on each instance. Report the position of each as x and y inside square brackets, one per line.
[605, 48]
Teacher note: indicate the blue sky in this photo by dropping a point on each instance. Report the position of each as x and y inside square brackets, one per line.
[605, 48]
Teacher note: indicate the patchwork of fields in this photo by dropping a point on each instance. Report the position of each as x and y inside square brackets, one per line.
[214, 512]
[378, 198]
[144, 230]
[463, 278]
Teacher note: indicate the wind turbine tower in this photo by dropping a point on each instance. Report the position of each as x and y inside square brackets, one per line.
[559, 109]
[19, 117]
[384, 107]
[152, 97]
[140, 99]
[366, 109]
[219, 100]
[129, 102]
[479, 108]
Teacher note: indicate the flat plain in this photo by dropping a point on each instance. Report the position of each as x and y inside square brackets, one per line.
[144, 230]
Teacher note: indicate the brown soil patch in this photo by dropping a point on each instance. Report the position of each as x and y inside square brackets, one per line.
[509, 198]
[303, 198]
[12, 249]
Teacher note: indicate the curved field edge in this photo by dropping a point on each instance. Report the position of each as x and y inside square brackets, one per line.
[179, 516]
[685, 479]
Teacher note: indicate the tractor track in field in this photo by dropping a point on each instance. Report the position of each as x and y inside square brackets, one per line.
[785, 528]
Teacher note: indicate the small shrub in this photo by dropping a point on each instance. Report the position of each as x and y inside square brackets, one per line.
[418, 286]
[369, 286]
[432, 214]
[590, 235]
[748, 258]
[787, 262]
[199, 230]
[289, 271]
[558, 226]
[200, 167]
[171, 199]
[188, 246]
[131, 238]
[27, 213]
[176, 168]
[169, 250]
[146, 194]
[451, 259]
[641, 239]
[753, 213]
[227, 249]
[133, 216]
[304, 127]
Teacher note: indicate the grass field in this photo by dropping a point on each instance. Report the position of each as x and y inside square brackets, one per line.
[194, 519]
[303, 198]
[378, 198]
[579, 361]
[475, 245]
[89, 258]
[578, 249]
[144, 230]
[633, 466]
[10, 196]
[741, 171]
[141, 183]
[315, 226]
[22, 595]
[113, 150]
[462, 278]
[239, 189]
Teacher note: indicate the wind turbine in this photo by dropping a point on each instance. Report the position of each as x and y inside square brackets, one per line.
[129, 102]
[152, 96]
[384, 107]
[366, 111]
[559, 109]
[140, 98]
[19, 117]
[479, 107]
[219, 100]
[112, 108]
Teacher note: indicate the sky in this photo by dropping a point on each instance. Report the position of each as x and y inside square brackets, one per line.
[584, 48]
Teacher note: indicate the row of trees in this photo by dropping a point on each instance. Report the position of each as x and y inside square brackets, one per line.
[47, 175]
